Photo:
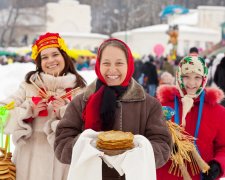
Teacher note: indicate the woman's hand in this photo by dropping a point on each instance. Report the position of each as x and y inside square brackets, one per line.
[40, 106]
[58, 103]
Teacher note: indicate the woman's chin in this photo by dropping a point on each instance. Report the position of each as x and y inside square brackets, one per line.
[191, 92]
[113, 83]
[53, 72]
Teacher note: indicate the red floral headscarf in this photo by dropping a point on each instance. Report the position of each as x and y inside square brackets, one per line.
[95, 104]
[130, 62]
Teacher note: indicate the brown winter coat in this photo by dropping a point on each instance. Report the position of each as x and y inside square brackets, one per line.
[137, 112]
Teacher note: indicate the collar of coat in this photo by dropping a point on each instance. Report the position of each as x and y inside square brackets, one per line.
[52, 83]
[166, 93]
[135, 92]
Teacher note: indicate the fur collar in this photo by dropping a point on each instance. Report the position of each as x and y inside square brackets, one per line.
[52, 83]
[135, 92]
[166, 93]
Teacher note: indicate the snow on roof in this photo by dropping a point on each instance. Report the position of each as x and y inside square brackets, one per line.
[89, 35]
[186, 28]
[164, 28]
[75, 34]
[186, 19]
[122, 33]
[215, 8]
[154, 28]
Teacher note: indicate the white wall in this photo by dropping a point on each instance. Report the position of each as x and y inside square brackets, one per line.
[83, 40]
[68, 16]
[211, 17]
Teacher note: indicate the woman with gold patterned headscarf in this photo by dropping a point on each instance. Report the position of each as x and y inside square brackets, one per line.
[40, 103]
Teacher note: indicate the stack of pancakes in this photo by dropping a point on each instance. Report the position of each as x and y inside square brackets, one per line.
[7, 168]
[115, 140]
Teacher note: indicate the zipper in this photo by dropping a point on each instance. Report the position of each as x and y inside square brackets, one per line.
[120, 118]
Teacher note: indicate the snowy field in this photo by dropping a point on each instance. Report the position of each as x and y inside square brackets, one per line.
[12, 75]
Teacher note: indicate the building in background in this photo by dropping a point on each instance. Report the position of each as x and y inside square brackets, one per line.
[67, 17]
[200, 27]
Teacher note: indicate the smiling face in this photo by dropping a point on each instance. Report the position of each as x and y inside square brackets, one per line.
[52, 61]
[192, 82]
[113, 65]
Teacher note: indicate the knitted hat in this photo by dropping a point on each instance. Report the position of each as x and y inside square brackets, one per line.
[190, 64]
[48, 40]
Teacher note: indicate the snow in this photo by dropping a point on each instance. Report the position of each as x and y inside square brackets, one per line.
[187, 19]
[182, 28]
[13, 74]
[88, 35]
[164, 27]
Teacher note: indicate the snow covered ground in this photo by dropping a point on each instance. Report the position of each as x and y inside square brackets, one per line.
[13, 74]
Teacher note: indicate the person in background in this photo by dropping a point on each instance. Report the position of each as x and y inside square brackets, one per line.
[193, 51]
[166, 79]
[150, 76]
[138, 69]
[167, 66]
[197, 110]
[219, 77]
[81, 63]
[115, 101]
[212, 69]
[40, 103]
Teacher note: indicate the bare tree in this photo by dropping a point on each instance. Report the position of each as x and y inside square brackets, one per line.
[9, 27]
[6, 26]
[119, 15]
[12, 18]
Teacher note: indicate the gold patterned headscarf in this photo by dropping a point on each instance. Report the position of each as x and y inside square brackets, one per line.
[48, 40]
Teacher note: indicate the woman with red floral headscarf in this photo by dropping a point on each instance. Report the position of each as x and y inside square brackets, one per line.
[115, 101]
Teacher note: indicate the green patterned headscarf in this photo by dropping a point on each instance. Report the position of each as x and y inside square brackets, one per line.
[190, 64]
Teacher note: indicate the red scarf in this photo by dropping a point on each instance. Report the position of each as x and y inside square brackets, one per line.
[92, 119]
[91, 113]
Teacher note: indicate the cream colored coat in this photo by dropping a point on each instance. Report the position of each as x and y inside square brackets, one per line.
[34, 155]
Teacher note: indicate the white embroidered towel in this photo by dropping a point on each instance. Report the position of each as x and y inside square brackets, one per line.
[86, 164]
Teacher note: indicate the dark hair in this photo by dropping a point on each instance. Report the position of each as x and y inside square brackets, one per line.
[193, 50]
[69, 67]
[113, 43]
[150, 58]
[222, 63]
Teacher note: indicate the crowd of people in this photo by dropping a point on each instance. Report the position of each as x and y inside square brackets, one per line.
[54, 109]
[151, 72]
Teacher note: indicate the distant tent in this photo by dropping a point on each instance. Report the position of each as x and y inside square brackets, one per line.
[136, 55]
[173, 9]
[7, 53]
[75, 53]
